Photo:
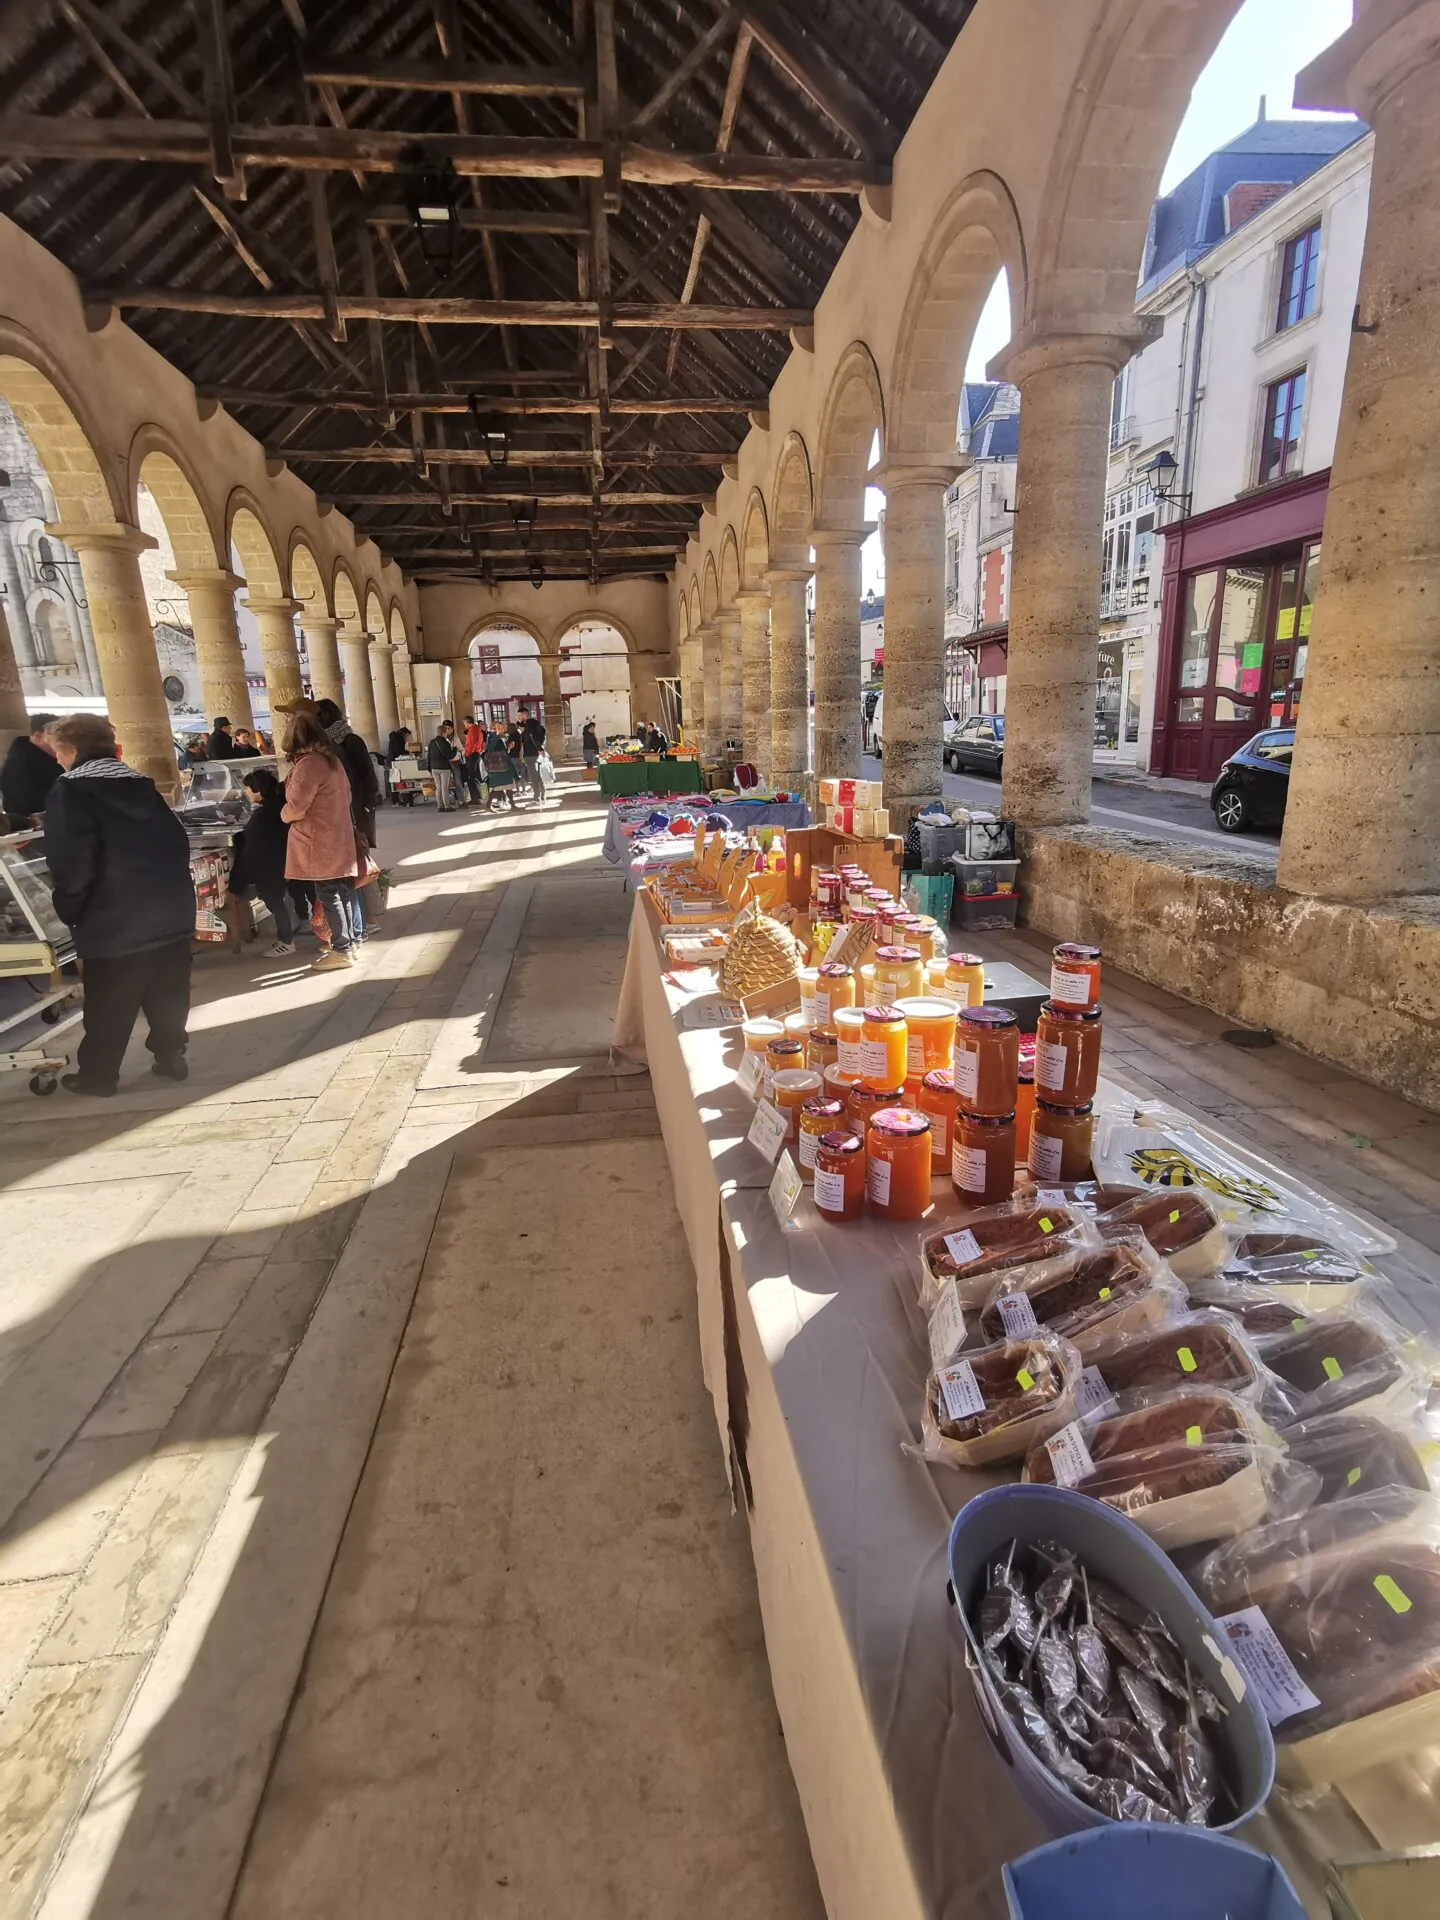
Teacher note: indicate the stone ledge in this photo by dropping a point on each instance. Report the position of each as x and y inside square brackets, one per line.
[1355, 982]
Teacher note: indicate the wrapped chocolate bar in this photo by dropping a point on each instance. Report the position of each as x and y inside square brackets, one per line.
[1087, 1295]
[1204, 1349]
[993, 1242]
[1355, 1454]
[1181, 1225]
[1357, 1359]
[993, 1404]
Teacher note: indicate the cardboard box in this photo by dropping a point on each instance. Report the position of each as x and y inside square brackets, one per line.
[810, 847]
[829, 792]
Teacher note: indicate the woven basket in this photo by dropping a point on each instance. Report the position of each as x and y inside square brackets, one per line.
[761, 954]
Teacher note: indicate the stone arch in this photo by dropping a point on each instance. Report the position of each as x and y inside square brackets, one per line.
[158, 465]
[792, 512]
[54, 422]
[754, 541]
[307, 582]
[710, 588]
[374, 614]
[729, 567]
[696, 616]
[255, 547]
[397, 627]
[599, 616]
[853, 414]
[502, 618]
[344, 594]
[976, 233]
[683, 620]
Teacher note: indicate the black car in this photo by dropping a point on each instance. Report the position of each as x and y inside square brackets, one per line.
[1251, 788]
[979, 745]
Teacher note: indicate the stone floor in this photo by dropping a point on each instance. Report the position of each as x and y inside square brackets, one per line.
[365, 1547]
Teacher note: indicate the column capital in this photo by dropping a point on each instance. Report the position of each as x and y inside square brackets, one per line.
[318, 622]
[1390, 41]
[259, 603]
[753, 597]
[726, 614]
[200, 577]
[782, 575]
[383, 645]
[843, 536]
[891, 475]
[1081, 340]
[707, 630]
[101, 536]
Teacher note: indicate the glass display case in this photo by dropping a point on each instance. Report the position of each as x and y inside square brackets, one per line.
[213, 801]
[33, 937]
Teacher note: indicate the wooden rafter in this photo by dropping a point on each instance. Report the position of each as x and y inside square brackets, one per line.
[347, 401]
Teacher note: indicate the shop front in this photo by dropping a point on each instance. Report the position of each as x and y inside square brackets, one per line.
[1239, 590]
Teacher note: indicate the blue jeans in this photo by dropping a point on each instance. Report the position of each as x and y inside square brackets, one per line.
[335, 899]
[358, 922]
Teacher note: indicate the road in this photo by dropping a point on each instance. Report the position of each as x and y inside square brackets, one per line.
[1128, 806]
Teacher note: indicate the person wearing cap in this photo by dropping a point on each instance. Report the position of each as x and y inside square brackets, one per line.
[29, 772]
[220, 745]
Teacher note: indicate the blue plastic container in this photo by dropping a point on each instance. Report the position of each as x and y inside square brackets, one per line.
[1142, 1872]
[1114, 1548]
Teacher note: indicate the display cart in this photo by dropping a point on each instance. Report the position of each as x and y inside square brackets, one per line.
[35, 945]
[409, 781]
[213, 808]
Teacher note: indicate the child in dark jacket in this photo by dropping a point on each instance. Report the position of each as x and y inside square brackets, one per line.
[258, 866]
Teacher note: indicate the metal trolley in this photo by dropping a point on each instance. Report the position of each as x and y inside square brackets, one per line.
[35, 945]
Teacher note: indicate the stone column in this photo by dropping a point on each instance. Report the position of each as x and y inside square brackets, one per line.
[645, 671]
[13, 717]
[712, 724]
[405, 689]
[754, 604]
[692, 689]
[837, 650]
[462, 688]
[732, 677]
[1363, 814]
[223, 688]
[789, 679]
[554, 706]
[359, 689]
[914, 638]
[125, 645]
[278, 653]
[382, 679]
[322, 651]
[1065, 383]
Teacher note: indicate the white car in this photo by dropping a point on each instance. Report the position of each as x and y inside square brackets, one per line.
[950, 726]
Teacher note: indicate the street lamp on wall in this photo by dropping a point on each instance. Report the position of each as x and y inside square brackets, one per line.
[1162, 473]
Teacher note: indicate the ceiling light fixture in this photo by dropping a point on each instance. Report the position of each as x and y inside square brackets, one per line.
[430, 190]
[489, 432]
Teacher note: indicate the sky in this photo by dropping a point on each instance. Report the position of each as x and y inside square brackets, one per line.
[1267, 44]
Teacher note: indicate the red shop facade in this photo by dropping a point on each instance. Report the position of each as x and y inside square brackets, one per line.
[1239, 591]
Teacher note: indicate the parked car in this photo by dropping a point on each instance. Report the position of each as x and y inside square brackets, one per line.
[1252, 787]
[950, 726]
[978, 744]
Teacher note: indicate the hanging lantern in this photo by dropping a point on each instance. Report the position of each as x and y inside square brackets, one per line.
[490, 432]
[430, 201]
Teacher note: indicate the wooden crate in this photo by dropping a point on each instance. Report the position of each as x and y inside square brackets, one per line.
[809, 847]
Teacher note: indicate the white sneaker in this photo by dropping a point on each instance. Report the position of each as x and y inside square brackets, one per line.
[280, 949]
[332, 962]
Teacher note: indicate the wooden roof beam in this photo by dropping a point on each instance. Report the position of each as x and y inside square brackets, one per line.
[523, 495]
[448, 310]
[345, 400]
[491, 220]
[477, 457]
[445, 76]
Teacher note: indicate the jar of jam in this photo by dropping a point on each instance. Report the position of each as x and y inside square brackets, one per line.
[1024, 1104]
[809, 978]
[790, 1088]
[884, 1047]
[838, 1084]
[758, 1034]
[822, 936]
[898, 971]
[930, 1034]
[936, 1100]
[779, 1055]
[1075, 975]
[863, 1100]
[982, 1160]
[817, 1116]
[827, 889]
[865, 995]
[1060, 1143]
[897, 1173]
[834, 988]
[797, 1027]
[1067, 1054]
[822, 1048]
[935, 974]
[987, 1059]
[849, 1025]
[965, 979]
[864, 913]
[840, 1175]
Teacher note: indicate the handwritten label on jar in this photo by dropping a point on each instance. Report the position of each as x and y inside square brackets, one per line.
[1069, 1455]
[961, 1393]
[1094, 1398]
[939, 1139]
[785, 1188]
[962, 1247]
[1017, 1314]
[819, 1007]
[967, 1168]
[873, 1056]
[829, 1191]
[1050, 1064]
[748, 1078]
[947, 1325]
[1046, 1152]
[877, 1182]
[850, 1057]
[914, 1053]
[808, 1143]
[767, 1131]
[1072, 988]
[967, 1073]
[1267, 1666]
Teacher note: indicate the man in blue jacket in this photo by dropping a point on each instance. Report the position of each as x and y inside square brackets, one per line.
[119, 860]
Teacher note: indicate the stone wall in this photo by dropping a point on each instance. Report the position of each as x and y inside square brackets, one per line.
[1357, 984]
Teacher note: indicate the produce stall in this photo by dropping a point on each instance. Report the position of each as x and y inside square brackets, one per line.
[631, 838]
[1199, 1345]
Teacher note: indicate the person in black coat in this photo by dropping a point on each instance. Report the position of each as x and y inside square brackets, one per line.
[359, 765]
[119, 862]
[221, 744]
[29, 772]
[258, 864]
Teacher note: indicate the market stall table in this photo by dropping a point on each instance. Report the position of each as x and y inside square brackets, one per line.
[621, 832]
[650, 776]
[812, 1350]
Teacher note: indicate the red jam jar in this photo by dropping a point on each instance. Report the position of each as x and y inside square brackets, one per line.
[1067, 1054]
[840, 1175]
[982, 1161]
[897, 1174]
[987, 1059]
[1061, 1139]
[1075, 976]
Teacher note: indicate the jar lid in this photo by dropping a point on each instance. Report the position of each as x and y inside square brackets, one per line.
[920, 1008]
[882, 1014]
[881, 1096]
[835, 970]
[939, 1080]
[836, 1076]
[896, 956]
[988, 1019]
[901, 1123]
[985, 1120]
[965, 960]
[786, 1046]
[861, 913]
[1072, 950]
[1064, 1113]
[797, 1078]
[765, 1025]
[820, 1108]
[827, 1036]
[1057, 1010]
[842, 1142]
[848, 1016]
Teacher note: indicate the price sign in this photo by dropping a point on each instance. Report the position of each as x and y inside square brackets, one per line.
[751, 1068]
[713, 1013]
[1069, 1455]
[961, 1391]
[767, 1131]
[962, 1247]
[1266, 1665]
[785, 1188]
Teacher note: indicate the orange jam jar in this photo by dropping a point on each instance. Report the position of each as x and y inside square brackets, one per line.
[822, 1048]
[834, 988]
[1061, 1139]
[863, 1100]
[840, 1175]
[929, 1034]
[849, 1025]
[779, 1055]
[965, 979]
[758, 1034]
[1024, 1104]
[790, 1088]
[898, 971]
[839, 1085]
[797, 1026]
[897, 1174]
[935, 974]
[1067, 1054]
[1075, 975]
[884, 1047]
[982, 1160]
[817, 1116]
[809, 978]
[987, 1059]
[936, 1100]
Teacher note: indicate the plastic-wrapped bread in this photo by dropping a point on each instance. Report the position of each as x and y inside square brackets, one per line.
[1180, 1224]
[976, 1251]
[1205, 1349]
[1087, 1294]
[1355, 1455]
[1353, 1359]
[1299, 1265]
[991, 1405]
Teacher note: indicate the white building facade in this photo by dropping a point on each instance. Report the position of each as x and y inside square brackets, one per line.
[979, 534]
